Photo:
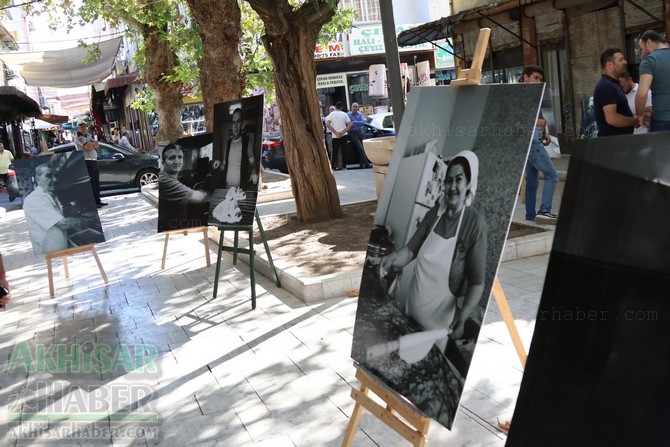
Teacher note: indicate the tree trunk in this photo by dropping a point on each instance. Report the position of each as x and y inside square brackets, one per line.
[221, 76]
[289, 41]
[160, 60]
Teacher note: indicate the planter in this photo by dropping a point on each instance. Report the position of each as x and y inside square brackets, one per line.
[379, 151]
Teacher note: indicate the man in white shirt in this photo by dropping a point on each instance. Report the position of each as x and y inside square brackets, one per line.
[44, 215]
[630, 89]
[339, 124]
[125, 141]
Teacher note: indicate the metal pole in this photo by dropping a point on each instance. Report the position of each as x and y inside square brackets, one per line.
[395, 83]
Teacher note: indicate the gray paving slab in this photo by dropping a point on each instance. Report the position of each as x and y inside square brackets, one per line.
[224, 375]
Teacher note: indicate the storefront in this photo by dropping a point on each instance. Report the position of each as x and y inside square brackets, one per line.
[555, 34]
[344, 69]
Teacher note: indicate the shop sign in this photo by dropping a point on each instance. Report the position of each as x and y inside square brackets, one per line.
[331, 50]
[370, 40]
[330, 80]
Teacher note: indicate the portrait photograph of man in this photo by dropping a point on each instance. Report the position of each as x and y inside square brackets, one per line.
[58, 202]
[184, 183]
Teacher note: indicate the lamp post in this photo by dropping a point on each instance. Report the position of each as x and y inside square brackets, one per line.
[396, 85]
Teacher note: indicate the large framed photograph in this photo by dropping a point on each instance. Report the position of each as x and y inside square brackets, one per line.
[236, 161]
[440, 228]
[58, 202]
[185, 183]
[598, 367]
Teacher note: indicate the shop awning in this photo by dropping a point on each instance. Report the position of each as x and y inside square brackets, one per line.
[14, 104]
[429, 32]
[54, 119]
[64, 68]
[39, 124]
[120, 81]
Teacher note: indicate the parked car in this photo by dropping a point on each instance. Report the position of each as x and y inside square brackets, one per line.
[274, 148]
[382, 122]
[120, 167]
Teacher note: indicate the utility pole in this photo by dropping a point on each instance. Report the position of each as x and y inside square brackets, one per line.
[395, 81]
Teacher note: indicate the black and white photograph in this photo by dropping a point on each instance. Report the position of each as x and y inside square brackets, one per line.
[598, 369]
[185, 183]
[236, 161]
[438, 236]
[58, 202]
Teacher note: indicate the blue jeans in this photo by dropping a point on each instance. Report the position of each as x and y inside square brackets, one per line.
[539, 161]
[658, 125]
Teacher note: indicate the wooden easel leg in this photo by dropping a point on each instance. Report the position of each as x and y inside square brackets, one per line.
[218, 263]
[252, 267]
[51, 275]
[206, 242]
[506, 313]
[167, 238]
[235, 245]
[267, 247]
[353, 422]
[399, 415]
[97, 261]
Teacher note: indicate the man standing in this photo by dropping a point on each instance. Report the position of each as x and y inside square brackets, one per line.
[630, 89]
[654, 75]
[84, 143]
[239, 166]
[328, 133]
[339, 124]
[611, 109]
[6, 158]
[539, 161]
[356, 134]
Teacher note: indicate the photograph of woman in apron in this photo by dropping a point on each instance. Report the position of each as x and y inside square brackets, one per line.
[444, 263]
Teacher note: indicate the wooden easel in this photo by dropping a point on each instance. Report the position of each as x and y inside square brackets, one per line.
[472, 75]
[186, 231]
[69, 252]
[399, 414]
[413, 426]
[235, 249]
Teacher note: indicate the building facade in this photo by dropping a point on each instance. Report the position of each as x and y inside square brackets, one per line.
[565, 37]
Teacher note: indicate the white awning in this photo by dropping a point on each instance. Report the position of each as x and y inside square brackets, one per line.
[63, 68]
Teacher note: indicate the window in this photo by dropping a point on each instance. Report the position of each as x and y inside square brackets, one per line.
[366, 10]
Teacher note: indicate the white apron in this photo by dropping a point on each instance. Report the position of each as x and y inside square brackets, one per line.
[430, 301]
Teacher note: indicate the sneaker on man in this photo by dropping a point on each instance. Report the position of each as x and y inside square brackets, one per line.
[546, 218]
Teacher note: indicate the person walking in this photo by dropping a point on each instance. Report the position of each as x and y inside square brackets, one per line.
[630, 88]
[83, 142]
[339, 124]
[356, 134]
[539, 161]
[6, 158]
[613, 115]
[654, 75]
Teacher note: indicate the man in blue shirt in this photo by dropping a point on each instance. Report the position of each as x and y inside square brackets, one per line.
[612, 112]
[356, 134]
[655, 75]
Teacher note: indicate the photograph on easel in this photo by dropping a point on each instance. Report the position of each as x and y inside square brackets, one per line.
[58, 202]
[237, 161]
[598, 365]
[185, 183]
[439, 232]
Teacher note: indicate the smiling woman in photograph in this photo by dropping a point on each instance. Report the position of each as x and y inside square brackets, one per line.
[449, 249]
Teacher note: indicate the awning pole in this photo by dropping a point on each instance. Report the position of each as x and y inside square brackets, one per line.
[392, 61]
